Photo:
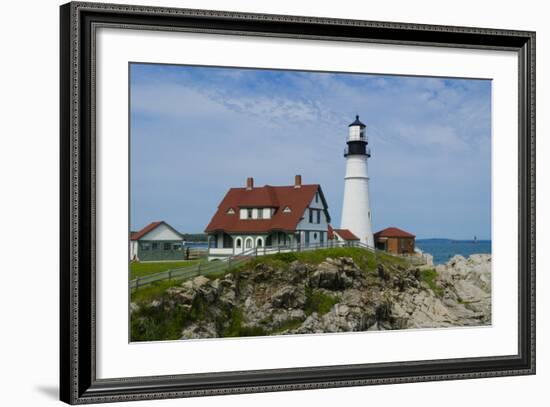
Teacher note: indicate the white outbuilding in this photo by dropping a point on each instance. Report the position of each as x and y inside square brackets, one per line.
[157, 241]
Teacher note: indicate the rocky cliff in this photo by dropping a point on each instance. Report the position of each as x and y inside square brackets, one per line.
[356, 291]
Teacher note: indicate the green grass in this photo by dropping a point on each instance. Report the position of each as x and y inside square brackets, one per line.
[157, 324]
[429, 276]
[319, 302]
[152, 291]
[140, 269]
[366, 260]
[288, 325]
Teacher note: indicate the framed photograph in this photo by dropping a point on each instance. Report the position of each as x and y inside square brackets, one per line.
[254, 203]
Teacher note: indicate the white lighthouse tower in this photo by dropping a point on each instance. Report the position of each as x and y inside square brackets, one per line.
[356, 215]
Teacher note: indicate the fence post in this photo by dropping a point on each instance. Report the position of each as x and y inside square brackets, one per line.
[137, 283]
[170, 274]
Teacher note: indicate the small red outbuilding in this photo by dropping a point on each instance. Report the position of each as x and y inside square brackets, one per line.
[395, 240]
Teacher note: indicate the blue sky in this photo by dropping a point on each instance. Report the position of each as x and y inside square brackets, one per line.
[197, 131]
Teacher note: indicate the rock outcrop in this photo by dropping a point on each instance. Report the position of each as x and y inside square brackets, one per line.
[334, 296]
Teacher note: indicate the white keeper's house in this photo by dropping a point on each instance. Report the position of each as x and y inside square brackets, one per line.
[269, 216]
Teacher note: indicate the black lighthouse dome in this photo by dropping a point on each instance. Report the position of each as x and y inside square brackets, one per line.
[357, 122]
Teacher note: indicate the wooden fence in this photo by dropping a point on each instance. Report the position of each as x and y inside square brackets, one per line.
[218, 266]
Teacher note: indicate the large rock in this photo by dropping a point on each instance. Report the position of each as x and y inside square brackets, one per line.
[200, 330]
[288, 297]
[468, 285]
[335, 274]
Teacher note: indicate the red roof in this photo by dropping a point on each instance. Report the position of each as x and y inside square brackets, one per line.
[279, 197]
[144, 231]
[393, 232]
[150, 227]
[330, 233]
[345, 234]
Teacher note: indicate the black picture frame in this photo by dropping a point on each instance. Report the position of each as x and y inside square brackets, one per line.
[78, 382]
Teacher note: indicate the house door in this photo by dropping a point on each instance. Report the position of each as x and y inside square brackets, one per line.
[239, 244]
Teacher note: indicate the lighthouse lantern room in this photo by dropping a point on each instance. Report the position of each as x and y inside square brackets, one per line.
[356, 214]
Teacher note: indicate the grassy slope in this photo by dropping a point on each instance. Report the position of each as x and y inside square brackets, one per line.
[366, 260]
[144, 269]
[159, 325]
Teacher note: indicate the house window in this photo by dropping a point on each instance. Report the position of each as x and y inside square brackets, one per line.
[315, 236]
[145, 246]
[260, 213]
[287, 209]
[167, 246]
[176, 246]
[248, 243]
[239, 243]
[322, 237]
[230, 211]
[310, 215]
[318, 216]
[307, 238]
[317, 196]
[155, 246]
[249, 213]
[212, 242]
[227, 241]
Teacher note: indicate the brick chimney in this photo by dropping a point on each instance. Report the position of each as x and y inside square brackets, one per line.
[297, 181]
[249, 183]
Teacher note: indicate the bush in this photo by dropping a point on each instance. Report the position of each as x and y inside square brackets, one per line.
[429, 277]
[319, 302]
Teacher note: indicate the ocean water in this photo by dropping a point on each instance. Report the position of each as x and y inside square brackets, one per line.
[444, 249]
[196, 245]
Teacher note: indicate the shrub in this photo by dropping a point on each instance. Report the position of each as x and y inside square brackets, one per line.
[429, 277]
[319, 302]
